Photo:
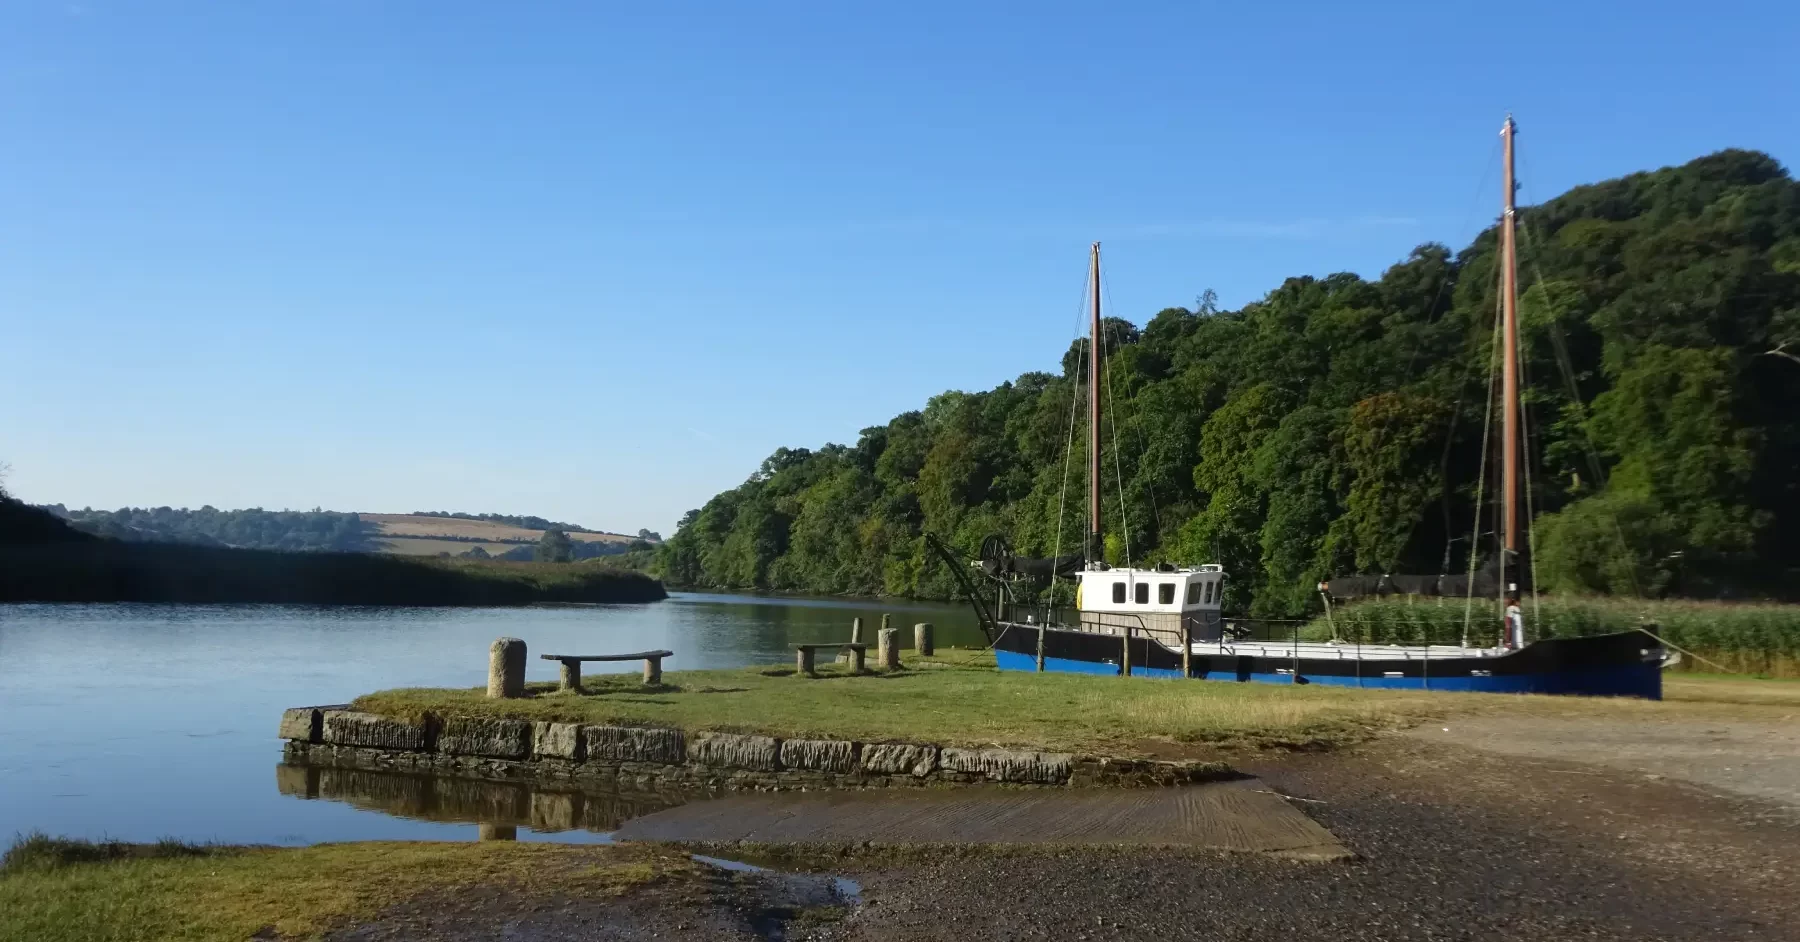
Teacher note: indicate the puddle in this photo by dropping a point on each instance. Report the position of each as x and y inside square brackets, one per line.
[843, 889]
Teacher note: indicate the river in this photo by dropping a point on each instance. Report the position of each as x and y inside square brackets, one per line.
[138, 722]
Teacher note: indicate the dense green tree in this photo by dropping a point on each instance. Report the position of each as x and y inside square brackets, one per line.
[1337, 424]
[554, 547]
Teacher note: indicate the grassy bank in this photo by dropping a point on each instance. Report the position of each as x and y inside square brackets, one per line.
[959, 699]
[111, 571]
[75, 891]
[1745, 637]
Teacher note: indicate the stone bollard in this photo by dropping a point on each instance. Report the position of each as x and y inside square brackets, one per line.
[496, 832]
[922, 642]
[887, 650]
[506, 669]
[855, 638]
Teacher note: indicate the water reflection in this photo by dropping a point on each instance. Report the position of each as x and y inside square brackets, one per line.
[187, 696]
[500, 808]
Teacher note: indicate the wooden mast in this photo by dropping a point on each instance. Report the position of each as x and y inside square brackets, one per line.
[1096, 545]
[1509, 385]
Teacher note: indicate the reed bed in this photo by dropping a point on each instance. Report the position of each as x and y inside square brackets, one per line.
[1737, 637]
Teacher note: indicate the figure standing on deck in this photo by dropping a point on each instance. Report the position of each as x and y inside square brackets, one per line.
[1514, 629]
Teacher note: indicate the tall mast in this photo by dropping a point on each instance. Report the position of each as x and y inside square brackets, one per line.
[1509, 301]
[1096, 545]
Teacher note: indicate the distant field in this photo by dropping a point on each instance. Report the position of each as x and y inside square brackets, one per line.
[411, 525]
[420, 546]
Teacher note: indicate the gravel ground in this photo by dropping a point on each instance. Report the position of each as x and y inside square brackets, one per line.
[1758, 759]
[1453, 844]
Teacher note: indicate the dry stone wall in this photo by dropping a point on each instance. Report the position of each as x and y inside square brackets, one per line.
[628, 758]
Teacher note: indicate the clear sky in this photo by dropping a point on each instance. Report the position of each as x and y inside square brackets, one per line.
[595, 261]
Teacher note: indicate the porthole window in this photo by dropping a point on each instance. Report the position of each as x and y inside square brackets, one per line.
[1119, 593]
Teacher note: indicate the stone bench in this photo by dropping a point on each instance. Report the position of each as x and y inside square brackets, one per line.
[803, 655]
[571, 665]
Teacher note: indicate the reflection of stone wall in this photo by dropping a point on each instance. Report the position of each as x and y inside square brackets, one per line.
[617, 759]
[437, 798]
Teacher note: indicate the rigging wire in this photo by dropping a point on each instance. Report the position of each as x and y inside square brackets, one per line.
[1565, 364]
[1118, 472]
[1487, 436]
[1062, 497]
[1112, 416]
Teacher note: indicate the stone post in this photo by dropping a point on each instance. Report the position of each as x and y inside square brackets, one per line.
[506, 668]
[922, 642]
[571, 675]
[887, 650]
[653, 672]
[856, 631]
[496, 832]
[884, 621]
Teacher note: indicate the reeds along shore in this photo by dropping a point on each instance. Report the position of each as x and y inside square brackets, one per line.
[1744, 637]
[110, 571]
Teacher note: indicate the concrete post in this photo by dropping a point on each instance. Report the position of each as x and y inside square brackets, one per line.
[653, 672]
[856, 631]
[885, 619]
[571, 675]
[922, 642]
[506, 668]
[803, 661]
[887, 650]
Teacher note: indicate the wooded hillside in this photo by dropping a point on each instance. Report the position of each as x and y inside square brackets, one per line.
[1336, 426]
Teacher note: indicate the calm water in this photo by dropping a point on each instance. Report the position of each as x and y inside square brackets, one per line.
[145, 721]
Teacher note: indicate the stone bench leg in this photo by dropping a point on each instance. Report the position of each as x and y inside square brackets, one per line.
[653, 672]
[803, 661]
[856, 660]
[571, 675]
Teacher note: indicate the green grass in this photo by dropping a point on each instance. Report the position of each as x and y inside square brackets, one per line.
[110, 571]
[55, 890]
[1743, 637]
[960, 699]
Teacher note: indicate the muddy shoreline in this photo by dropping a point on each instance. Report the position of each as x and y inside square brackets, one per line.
[1451, 843]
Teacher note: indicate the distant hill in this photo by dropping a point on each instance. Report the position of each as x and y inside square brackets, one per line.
[422, 534]
[498, 536]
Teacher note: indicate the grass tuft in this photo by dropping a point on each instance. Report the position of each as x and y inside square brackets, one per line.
[59, 890]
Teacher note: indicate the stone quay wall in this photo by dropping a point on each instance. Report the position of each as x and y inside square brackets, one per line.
[629, 758]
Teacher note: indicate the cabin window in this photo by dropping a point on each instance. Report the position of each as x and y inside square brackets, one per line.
[1209, 592]
[1165, 593]
[1193, 596]
[1119, 593]
[1143, 593]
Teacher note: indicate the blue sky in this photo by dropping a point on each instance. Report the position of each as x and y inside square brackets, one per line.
[595, 261]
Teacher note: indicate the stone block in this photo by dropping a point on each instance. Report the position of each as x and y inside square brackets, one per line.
[1004, 765]
[302, 725]
[349, 728]
[822, 755]
[480, 736]
[732, 751]
[634, 744]
[899, 759]
[557, 741]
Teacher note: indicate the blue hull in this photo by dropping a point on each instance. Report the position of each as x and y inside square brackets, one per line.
[1608, 666]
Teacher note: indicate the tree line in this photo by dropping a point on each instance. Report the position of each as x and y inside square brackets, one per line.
[1340, 425]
